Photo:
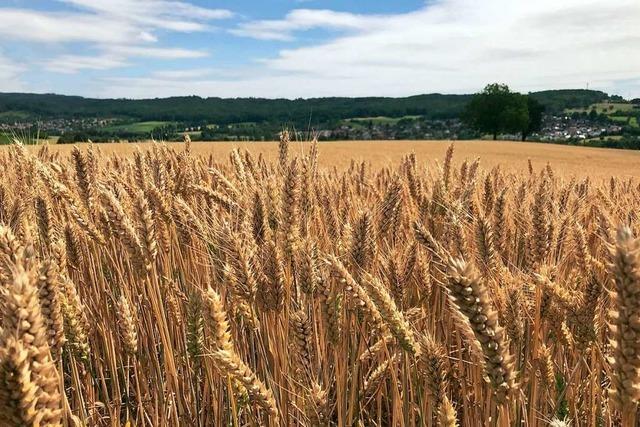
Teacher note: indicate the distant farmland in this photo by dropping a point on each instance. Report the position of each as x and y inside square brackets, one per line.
[604, 108]
[137, 127]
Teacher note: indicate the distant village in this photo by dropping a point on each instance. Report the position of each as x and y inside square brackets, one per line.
[57, 126]
[554, 128]
[402, 129]
[558, 128]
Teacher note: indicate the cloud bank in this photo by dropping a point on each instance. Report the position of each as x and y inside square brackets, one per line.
[113, 30]
[9, 75]
[452, 46]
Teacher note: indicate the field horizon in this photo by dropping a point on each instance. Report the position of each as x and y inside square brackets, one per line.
[512, 156]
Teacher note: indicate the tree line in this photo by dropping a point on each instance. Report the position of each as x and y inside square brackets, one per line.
[299, 112]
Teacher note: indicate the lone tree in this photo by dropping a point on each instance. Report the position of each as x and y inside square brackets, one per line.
[496, 109]
[535, 110]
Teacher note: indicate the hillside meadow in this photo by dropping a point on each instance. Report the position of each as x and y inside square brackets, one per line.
[510, 156]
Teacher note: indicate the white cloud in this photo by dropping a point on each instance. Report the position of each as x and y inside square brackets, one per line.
[156, 52]
[116, 57]
[159, 85]
[10, 75]
[73, 63]
[304, 19]
[450, 46]
[170, 15]
[43, 27]
[459, 46]
[113, 21]
[152, 7]
[116, 30]
[195, 73]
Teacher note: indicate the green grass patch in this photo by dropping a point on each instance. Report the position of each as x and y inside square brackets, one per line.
[606, 138]
[363, 122]
[625, 120]
[619, 119]
[379, 120]
[11, 116]
[604, 108]
[137, 127]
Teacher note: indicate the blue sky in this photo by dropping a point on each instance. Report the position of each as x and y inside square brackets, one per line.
[308, 48]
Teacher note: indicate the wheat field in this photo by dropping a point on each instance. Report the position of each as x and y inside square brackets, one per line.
[511, 156]
[172, 287]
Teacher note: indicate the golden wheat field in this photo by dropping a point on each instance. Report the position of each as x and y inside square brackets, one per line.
[599, 163]
[205, 285]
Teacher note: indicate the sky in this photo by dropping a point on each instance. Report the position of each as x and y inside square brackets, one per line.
[314, 48]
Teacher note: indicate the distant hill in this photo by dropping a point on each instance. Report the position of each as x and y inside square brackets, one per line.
[238, 110]
[560, 100]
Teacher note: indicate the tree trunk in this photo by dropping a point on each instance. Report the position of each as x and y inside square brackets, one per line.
[495, 136]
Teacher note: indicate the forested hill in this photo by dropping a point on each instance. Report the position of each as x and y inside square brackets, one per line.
[235, 110]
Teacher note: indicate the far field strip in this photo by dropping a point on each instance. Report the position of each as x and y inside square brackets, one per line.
[598, 163]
